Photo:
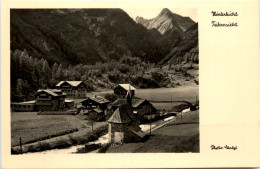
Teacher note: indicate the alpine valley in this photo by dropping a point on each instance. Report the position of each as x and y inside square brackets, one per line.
[103, 47]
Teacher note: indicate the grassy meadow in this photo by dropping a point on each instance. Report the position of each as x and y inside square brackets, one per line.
[32, 127]
[181, 135]
[187, 93]
[80, 137]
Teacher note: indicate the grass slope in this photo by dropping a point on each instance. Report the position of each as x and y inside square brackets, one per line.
[32, 127]
[181, 135]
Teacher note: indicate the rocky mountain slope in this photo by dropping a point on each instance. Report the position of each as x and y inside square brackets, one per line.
[167, 21]
[179, 38]
[186, 51]
[86, 36]
[168, 28]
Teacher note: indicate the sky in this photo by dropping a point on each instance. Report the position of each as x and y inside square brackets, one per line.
[149, 13]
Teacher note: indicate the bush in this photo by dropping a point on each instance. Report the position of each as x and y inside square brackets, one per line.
[190, 66]
[110, 96]
[43, 146]
[15, 151]
[62, 143]
[91, 136]
[157, 76]
[124, 68]
[104, 148]
[113, 76]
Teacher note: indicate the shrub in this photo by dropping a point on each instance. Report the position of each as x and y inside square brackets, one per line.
[91, 136]
[190, 66]
[62, 143]
[31, 148]
[110, 96]
[123, 68]
[41, 146]
[104, 148]
[15, 151]
[113, 76]
[157, 76]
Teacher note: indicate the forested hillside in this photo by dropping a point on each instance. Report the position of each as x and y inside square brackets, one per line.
[102, 47]
[30, 74]
[86, 36]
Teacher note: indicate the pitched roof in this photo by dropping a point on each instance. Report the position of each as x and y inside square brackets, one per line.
[69, 101]
[98, 99]
[126, 86]
[123, 114]
[55, 90]
[49, 91]
[98, 110]
[136, 130]
[135, 102]
[29, 102]
[119, 102]
[60, 83]
[138, 102]
[72, 83]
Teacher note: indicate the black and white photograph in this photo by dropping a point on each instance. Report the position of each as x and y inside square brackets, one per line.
[104, 80]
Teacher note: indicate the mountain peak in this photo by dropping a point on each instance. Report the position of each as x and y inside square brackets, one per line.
[165, 11]
[167, 21]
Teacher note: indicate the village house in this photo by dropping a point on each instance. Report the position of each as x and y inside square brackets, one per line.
[28, 106]
[49, 99]
[141, 107]
[122, 89]
[97, 105]
[73, 89]
[95, 102]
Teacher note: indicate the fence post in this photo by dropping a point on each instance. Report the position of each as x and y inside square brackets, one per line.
[21, 148]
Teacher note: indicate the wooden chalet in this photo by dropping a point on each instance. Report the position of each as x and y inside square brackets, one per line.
[122, 89]
[73, 89]
[49, 99]
[96, 104]
[143, 108]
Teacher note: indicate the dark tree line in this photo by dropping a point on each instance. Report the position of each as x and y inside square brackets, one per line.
[28, 74]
